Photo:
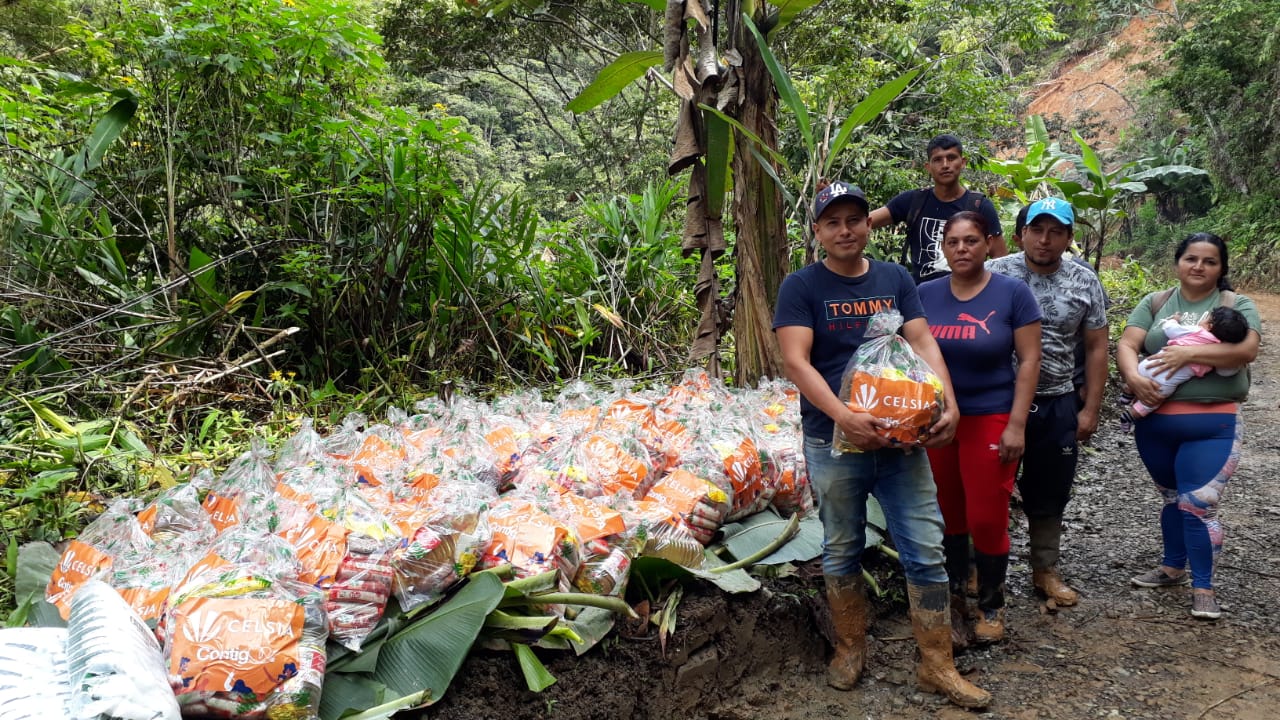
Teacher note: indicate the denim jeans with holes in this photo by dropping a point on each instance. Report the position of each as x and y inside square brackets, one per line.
[902, 483]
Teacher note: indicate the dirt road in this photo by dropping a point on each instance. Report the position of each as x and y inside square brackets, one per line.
[1122, 653]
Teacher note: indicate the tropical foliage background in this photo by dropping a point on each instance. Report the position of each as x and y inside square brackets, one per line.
[218, 217]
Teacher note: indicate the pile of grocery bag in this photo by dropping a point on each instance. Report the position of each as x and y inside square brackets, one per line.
[244, 577]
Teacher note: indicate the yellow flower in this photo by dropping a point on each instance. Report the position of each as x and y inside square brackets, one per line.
[289, 3]
[440, 107]
[276, 376]
[126, 79]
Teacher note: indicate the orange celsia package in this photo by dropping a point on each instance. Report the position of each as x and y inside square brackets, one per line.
[701, 505]
[743, 469]
[507, 447]
[377, 460]
[907, 404]
[79, 562]
[591, 519]
[224, 510]
[531, 540]
[148, 602]
[240, 645]
[615, 469]
[887, 379]
[321, 545]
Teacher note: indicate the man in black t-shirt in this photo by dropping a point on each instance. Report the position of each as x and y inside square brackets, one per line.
[926, 210]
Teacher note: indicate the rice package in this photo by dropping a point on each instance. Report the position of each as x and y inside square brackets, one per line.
[887, 379]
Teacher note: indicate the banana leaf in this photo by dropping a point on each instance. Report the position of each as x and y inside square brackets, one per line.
[743, 539]
[536, 676]
[420, 660]
[591, 626]
[877, 526]
[36, 562]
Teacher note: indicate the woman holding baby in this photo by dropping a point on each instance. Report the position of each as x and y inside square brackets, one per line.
[1190, 442]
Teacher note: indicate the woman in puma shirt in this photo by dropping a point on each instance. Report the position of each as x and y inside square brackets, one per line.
[981, 321]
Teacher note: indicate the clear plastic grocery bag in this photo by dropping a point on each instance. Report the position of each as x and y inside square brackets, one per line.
[887, 379]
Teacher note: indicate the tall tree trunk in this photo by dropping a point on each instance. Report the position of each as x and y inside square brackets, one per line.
[761, 246]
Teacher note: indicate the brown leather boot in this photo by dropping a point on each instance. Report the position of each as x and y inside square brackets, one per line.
[936, 672]
[989, 627]
[1045, 540]
[1050, 584]
[848, 600]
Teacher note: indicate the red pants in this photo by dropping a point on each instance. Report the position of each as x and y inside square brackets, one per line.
[973, 485]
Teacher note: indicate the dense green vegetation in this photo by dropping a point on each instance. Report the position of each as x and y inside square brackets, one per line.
[217, 216]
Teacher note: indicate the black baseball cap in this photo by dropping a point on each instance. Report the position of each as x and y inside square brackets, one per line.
[838, 191]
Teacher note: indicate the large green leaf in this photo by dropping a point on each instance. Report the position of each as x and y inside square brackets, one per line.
[1172, 177]
[756, 142]
[617, 75]
[108, 129]
[345, 693]
[765, 165]
[427, 654]
[201, 268]
[536, 676]
[733, 581]
[719, 154]
[1036, 132]
[652, 573]
[877, 525]
[1087, 155]
[788, 9]
[591, 625]
[786, 90]
[866, 111]
[36, 562]
[1130, 186]
[752, 534]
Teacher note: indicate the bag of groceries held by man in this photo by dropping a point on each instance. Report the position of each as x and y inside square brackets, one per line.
[887, 379]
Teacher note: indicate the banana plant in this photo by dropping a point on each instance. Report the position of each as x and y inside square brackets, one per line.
[1099, 196]
[1032, 175]
[820, 156]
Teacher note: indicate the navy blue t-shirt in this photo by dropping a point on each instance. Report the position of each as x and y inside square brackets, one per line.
[924, 237]
[976, 338]
[837, 308]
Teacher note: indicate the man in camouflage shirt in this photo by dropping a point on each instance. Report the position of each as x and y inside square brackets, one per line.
[1073, 305]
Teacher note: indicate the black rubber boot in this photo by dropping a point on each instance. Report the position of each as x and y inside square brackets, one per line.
[992, 569]
[955, 550]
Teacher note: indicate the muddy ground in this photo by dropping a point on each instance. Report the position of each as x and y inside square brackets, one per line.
[1122, 653]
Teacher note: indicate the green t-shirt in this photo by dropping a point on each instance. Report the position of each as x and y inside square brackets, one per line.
[1212, 387]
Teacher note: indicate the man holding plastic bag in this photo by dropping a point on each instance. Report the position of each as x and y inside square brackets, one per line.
[821, 321]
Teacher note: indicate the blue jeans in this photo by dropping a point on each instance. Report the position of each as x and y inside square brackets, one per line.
[904, 486]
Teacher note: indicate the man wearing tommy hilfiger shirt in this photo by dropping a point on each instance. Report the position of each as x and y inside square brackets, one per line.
[820, 321]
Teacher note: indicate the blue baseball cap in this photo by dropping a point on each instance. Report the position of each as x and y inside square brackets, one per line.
[1056, 208]
[838, 191]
